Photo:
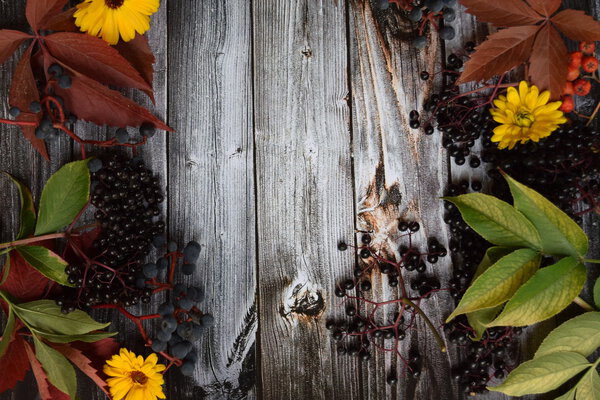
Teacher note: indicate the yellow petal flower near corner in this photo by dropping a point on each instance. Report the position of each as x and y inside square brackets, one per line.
[525, 115]
[133, 378]
[114, 19]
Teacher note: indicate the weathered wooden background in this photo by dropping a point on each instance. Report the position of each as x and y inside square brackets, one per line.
[292, 133]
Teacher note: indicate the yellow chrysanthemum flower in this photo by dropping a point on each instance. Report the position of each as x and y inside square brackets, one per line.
[110, 19]
[133, 378]
[525, 115]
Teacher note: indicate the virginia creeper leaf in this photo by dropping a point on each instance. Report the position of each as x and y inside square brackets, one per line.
[96, 59]
[139, 54]
[24, 282]
[39, 11]
[46, 316]
[28, 218]
[545, 7]
[542, 374]
[497, 221]
[88, 337]
[562, 236]
[63, 22]
[546, 294]
[577, 25]
[47, 262]
[59, 371]
[10, 41]
[588, 387]
[579, 335]
[16, 358]
[548, 66]
[7, 335]
[46, 390]
[499, 282]
[502, 13]
[570, 395]
[63, 197]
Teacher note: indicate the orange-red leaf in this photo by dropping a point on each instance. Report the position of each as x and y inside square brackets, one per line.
[139, 54]
[93, 57]
[24, 91]
[15, 364]
[501, 52]
[577, 25]
[45, 388]
[10, 41]
[545, 7]
[63, 22]
[39, 11]
[548, 62]
[502, 12]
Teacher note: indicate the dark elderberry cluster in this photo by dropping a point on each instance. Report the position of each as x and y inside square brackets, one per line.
[564, 167]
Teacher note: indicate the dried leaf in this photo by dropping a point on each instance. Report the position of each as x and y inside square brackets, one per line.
[93, 57]
[39, 11]
[24, 282]
[10, 41]
[548, 62]
[545, 7]
[499, 53]
[24, 91]
[92, 101]
[46, 389]
[15, 362]
[63, 22]
[503, 12]
[577, 25]
[139, 54]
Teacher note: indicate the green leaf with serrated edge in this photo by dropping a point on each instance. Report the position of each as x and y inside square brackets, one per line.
[580, 335]
[499, 282]
[561, 235]
[8, 332]
[59, 370]
[63, 197]
[588, 387]
[46, 316]
[546, 294]
[542, 374]
[28, 217]
[47, 262]
[570, 395]
[597, 293]
[88, 337]
[497, 221]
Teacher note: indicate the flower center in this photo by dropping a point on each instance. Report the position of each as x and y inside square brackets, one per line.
[114, 4]
[138, 377]
[524, 118]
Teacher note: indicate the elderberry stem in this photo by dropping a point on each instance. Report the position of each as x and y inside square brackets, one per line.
[437, 336]
[32, 240]
[583, 304]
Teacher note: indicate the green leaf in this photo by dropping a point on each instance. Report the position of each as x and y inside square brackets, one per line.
[499, 282]
[47, 262]
[59, 370]
[497, 221]
[561, 235]
[491, 256]
[63, 197]
[89, 337]
[8, 331]
[597, 293]
[46, 316]
[588, 387]
[570, 395]
[27, 209]
[481, 318]
[542, 374]
[580, 335]
[546, 294]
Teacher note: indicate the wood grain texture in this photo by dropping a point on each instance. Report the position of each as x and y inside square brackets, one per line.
[304, 194]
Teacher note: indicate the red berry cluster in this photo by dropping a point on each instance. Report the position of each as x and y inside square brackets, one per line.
[583, 67]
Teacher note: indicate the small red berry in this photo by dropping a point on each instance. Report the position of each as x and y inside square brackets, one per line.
[589, 64]
[575, 59]
[573, 73]
[587, 47]
[567, 104]
[568, 89]
[582, 87]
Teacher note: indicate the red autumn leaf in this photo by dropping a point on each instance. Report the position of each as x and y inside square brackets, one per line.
[39, 11]
[63, 22]
[90, 357]
[83, 242]
[24, 91]
[545, 7]
[24, 282]
[92, 101]
[45, 388]
[577, 25]
[93, 57]
[139, 54]
[15, 364]
[10, 41]
[502, 12]
[501, 52]
[548, 67]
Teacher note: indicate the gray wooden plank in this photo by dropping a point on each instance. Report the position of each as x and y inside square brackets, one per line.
[211, 183]
[304, 194]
